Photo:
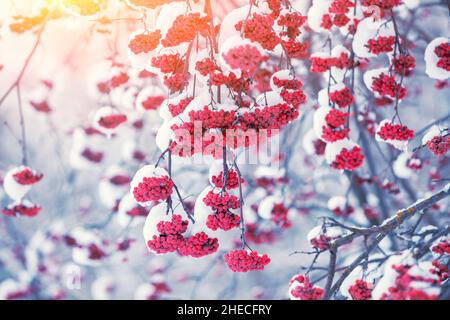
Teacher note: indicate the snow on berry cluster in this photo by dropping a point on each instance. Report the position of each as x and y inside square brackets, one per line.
[151, 184]
[222, 204]
[330, 124]
[441, 258]
[385, 4]
[406, 279]
[320, 237]
[395, 134]
[88, 249]
[214, 122]
[24, 208]
[273, 209]
[232, 180]
[178, 108]
[259, 29]
[185, 29]
[300, 288]
[259, 235]
[383, 84]
[165, 233]
[322, 62]
[244, 260]
[437, 59]
[41, 99]
[437, 140]
[381, 44]
[145, 42]
[324, 15]
[113, 186]
[340, 207]
[107, 120]
[361, 290]
[344, 155]
[404, 64]
[443, 53]
[128, 211]
[26, 176]
[245, 58]
[342, 98]
[17, 183]
[408, 286]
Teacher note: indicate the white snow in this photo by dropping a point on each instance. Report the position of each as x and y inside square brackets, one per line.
[103, 288]
[323, 98]
[335, 148]
[285, 74]
[319, 121]
[337, 202]
[157, 214]
[434, 131]
[123, 218]
[266, 206]
[400, 166]
[398, 144]
[370, 29]
[308, 142]
[431, 60]
[315, 14]
[370, 75]
[12, 188]
[141, 60]
[84, 237]
[101, 113]
[110, 193]
[148, 171]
